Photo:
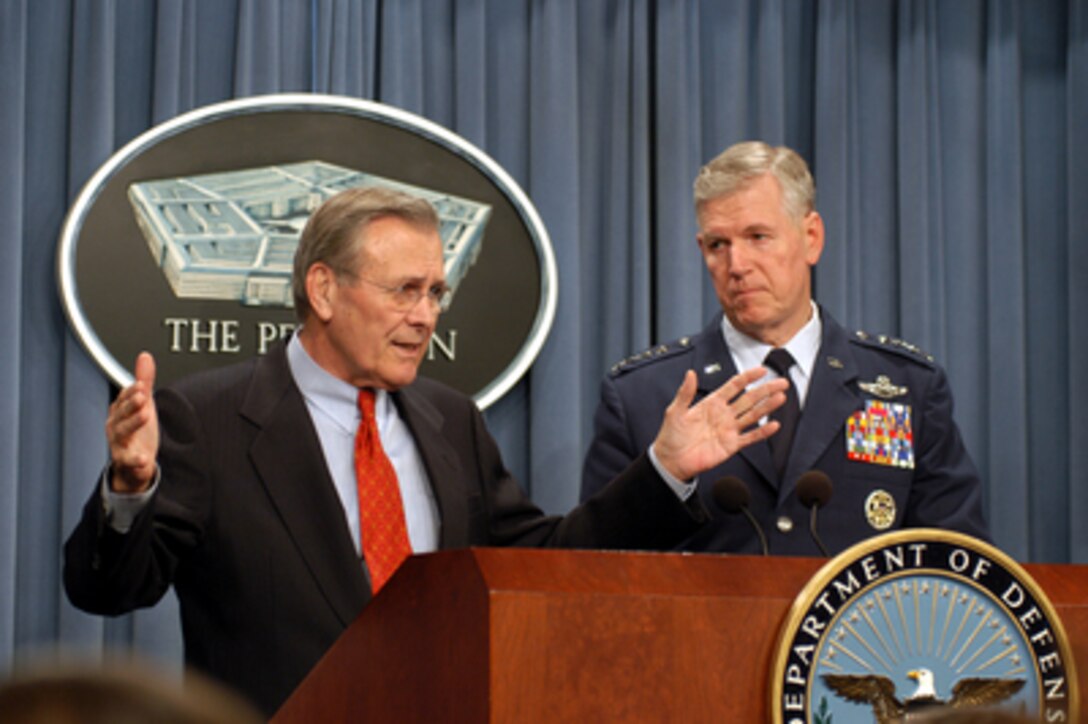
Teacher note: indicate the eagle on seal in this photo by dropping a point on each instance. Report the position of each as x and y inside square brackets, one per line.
[879, 693]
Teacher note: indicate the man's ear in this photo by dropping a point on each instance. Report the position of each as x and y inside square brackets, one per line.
[321, 290]
[813, 229]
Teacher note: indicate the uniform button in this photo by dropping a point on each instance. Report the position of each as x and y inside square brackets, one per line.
[784, 524]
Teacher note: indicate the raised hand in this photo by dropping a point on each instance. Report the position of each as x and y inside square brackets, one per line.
[695, 438]
[132, 430]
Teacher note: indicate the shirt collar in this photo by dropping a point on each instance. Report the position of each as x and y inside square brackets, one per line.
[749, 352]
[332, 396]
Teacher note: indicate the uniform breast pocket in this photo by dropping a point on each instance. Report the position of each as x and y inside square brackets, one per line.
[874, 497]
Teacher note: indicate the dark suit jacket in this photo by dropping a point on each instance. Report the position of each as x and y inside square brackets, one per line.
[942, 490]
[247, 526]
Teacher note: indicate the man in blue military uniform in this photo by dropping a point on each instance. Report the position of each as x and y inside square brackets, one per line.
[873, 413]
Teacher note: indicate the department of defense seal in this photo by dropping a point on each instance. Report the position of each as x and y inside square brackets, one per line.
[916, 620]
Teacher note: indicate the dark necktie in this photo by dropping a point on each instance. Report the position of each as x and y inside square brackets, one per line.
[381, 513]
[780, 361]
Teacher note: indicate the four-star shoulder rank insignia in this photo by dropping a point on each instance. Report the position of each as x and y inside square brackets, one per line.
[655, 352]
[894, 343]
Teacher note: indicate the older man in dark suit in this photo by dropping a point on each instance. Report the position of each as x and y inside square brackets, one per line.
[278, 495]
[873, 413]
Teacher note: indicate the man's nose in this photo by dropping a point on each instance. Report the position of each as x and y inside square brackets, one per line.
[739, 259]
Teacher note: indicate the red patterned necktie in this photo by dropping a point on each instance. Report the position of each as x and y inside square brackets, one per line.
[381, 511]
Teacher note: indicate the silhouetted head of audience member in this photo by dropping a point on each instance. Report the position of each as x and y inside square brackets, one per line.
[111, 694]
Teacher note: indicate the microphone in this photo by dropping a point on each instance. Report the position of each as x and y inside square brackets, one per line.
[814, 490]
[732, 495]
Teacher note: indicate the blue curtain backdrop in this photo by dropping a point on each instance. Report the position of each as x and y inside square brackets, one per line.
[949, 142]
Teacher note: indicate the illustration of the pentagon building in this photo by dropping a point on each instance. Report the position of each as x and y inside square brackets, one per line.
[233, 235]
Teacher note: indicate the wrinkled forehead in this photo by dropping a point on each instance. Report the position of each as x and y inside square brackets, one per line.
[758, 199]
[400, 245]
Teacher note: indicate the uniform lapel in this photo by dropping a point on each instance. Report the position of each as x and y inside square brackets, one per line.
[441, 461]
[714, 365]
[287, 456]
[832, 398]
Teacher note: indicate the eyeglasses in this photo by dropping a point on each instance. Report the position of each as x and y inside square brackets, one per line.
[406, 296]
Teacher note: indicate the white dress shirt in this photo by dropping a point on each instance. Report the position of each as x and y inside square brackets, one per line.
[333, 407]
[804, 346]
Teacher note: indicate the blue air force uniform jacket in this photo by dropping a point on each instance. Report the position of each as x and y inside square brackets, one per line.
[877, 420]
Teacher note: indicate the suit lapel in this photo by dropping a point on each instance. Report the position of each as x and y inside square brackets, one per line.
[288, 459]
[714, 365]
[832, 398]
[441, 461]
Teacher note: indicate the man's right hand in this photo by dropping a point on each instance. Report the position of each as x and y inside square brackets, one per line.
[132, 430]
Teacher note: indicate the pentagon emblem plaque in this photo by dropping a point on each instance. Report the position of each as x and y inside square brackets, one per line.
[182, 242]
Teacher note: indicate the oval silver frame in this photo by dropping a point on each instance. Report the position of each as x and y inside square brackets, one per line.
[371, 110]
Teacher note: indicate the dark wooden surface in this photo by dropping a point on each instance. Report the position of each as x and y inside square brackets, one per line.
[507, 635]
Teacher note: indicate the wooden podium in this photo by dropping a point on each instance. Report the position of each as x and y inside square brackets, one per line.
[515, 635]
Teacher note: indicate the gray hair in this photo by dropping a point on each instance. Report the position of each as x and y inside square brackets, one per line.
[334, 233]
[741, 164]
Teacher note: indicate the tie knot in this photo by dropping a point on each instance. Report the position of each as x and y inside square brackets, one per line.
[366, 403]
[779, 360]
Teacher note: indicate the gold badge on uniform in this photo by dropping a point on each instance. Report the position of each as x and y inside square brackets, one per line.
[880, 509]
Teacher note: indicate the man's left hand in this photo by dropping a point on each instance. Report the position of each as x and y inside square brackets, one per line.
[696, 438]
